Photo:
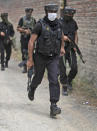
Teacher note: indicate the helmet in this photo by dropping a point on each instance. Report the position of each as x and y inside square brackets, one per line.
[4, 14]
[28, 9]
[69, 11]
[51, 7]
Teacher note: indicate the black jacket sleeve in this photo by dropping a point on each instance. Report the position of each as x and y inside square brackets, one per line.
[20, 23]
[12, 32]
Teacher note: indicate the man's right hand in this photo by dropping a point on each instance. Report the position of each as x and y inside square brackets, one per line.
[66, 38]
[2, 34]
[30, 64]
[62, 52]
[27, 31]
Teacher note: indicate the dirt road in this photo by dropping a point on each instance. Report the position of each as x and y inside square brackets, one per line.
[17, 113]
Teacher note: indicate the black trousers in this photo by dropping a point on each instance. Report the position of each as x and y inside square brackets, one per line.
[72, 60]
[51, 64]
[5, 48]
[24, 45]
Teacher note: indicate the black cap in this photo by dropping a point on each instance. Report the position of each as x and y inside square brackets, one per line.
[51, 7]
[69, 10]
[4, 14]
[28, 9]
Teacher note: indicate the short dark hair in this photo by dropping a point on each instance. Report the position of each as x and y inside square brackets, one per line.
[28, 9]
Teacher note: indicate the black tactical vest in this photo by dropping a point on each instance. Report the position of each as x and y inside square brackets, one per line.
[28, 23]
[49, 41]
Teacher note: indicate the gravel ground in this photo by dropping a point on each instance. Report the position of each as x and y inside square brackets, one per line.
[17, 113]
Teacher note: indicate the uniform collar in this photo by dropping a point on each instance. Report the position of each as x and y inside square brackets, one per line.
[52, 24]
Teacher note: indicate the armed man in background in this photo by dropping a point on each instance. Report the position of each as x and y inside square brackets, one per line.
[70, 34]
[48, 33]
[6, 34]
[25, 27]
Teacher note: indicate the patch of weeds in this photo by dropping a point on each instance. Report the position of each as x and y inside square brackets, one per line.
[16, 55]
[85, 91]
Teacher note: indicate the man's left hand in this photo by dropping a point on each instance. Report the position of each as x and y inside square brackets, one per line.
[62, 52]
[74, 49]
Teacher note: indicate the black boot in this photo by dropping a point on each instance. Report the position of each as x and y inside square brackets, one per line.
[54, 110]
[64, 90]
[31, 92]
[24, 69]
[6, 64]
[2, 67]
[70, 86]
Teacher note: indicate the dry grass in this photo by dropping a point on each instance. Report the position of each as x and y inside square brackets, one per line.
[16, 55]
[85, 92]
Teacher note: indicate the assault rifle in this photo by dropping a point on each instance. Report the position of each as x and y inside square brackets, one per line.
[24, 34]
[74, 45]
[26, 28]
[30, 73]
[6, 37]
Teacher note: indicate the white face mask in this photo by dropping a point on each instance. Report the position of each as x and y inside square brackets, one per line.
[52, 16]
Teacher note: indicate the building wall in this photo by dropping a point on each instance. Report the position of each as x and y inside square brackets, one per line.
[86, 18]
[16, 8]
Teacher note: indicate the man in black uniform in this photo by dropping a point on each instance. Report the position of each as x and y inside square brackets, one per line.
[70, 33]
[48, 33]
[6, 34]
[25, 27]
